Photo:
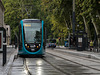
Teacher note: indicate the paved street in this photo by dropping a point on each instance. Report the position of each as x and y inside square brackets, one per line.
[87, 53]
[62, 62]
[51, 64]
[87, 65]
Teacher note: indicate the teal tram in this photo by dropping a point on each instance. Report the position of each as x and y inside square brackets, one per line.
[31, 37]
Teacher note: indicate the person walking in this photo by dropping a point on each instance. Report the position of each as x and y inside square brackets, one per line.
[91, 45]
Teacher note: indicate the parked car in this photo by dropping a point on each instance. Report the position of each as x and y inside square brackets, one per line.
[52, 43]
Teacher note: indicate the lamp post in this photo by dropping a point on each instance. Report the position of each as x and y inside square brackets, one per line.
[73, 18]
[73, 23]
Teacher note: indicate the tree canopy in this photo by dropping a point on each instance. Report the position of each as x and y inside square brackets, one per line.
[57, 15]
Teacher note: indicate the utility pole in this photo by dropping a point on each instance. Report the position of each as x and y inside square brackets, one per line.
[73, 18]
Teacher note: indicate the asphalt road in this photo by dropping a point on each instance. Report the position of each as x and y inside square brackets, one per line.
[55, 62]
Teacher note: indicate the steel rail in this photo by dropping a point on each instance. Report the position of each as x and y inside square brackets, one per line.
[74, 61]
[89, 59]
[26, 67]
[57, 68]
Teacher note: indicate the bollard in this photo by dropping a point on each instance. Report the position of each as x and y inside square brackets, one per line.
[4, 55]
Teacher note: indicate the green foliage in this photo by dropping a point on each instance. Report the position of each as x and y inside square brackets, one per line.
[59, 12]
[56, 15]
[15, 11]
[88, 9]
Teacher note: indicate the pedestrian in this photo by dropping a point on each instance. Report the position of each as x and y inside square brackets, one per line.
[91, 45]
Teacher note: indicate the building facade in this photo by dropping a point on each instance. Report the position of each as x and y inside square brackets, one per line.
[8, 34]
[1, 14]
[7, 27]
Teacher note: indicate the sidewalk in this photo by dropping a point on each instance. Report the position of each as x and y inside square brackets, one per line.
[10, 56]
[88, 54]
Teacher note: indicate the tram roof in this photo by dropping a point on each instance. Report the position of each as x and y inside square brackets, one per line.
[29, 19]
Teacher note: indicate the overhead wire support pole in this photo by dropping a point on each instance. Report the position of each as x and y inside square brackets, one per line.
[73, 17]
[28, 9]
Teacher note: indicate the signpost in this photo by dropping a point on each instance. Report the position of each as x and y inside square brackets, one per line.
[3, 43]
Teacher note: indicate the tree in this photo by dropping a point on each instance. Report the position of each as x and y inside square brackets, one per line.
[88, 11]
[59, 12]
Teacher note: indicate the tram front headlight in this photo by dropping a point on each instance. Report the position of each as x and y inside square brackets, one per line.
[25, 44]
[39, 44]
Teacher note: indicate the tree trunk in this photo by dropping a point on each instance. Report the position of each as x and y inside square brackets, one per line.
[94, 24]
[86, 26]
[66, 23]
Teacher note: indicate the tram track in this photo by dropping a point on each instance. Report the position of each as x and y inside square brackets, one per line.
[57, 68]
[45, 60]
[75, 61]
[30, 66]
[79, 53]
[81, 57]
[26, 67]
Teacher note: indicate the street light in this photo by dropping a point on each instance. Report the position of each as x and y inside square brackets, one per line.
[73, 19]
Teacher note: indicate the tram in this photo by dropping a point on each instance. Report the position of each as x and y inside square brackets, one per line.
[31, 37]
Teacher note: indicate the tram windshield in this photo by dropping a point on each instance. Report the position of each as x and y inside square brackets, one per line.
[32, 32]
